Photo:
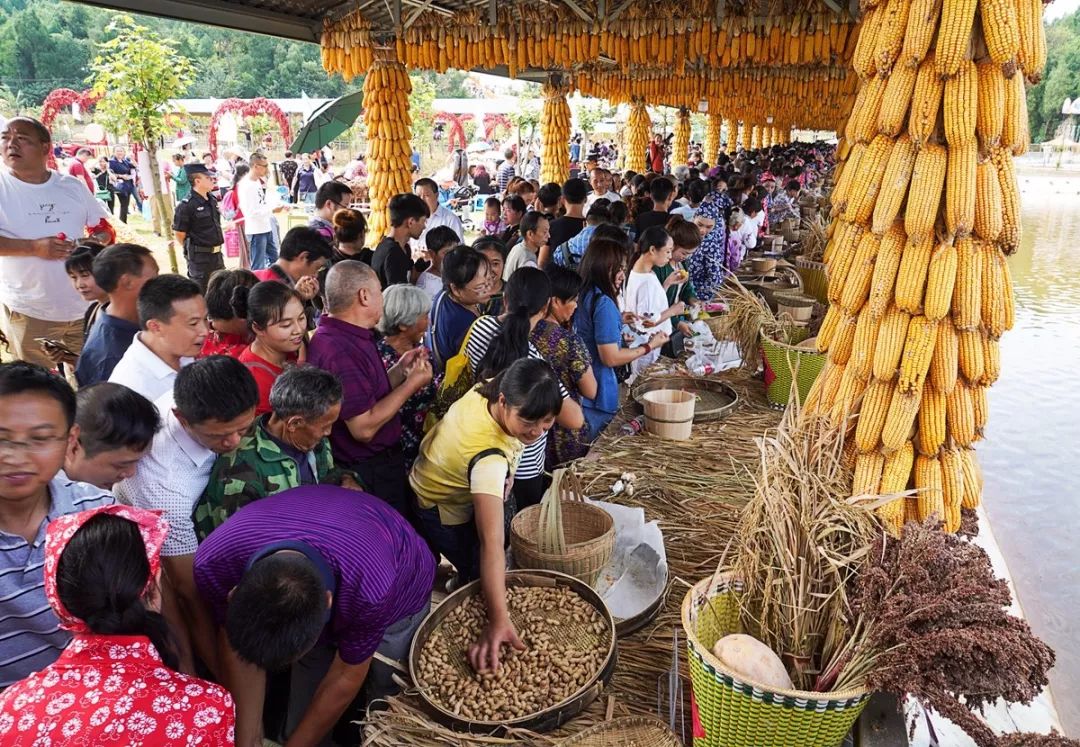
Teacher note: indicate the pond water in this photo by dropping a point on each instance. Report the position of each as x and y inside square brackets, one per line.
[1032, 449]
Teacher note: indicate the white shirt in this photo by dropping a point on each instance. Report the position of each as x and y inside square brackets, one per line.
[444, 216]
[144, 372]
[520, 256]
[255, 203]
[747, 233]
[593, 197]
[40, 288]
[644, 295]
[430, 283]
[170, 477]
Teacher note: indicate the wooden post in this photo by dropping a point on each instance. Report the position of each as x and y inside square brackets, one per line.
[389, 135]
[555, 132]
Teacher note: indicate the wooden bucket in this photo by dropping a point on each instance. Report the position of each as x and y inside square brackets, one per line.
[669, 413]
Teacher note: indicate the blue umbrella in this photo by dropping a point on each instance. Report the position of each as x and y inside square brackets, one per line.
[328, 122]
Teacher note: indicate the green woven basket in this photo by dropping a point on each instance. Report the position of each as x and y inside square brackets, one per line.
[733, 711]
[789, 362]
[815, 280]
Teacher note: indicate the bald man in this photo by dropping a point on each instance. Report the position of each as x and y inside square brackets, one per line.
[366, 437]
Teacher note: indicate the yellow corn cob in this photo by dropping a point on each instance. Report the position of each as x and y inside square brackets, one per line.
[911, 509]
[839, 196]
[889, 345]
[861, 360]
[925, 102]
[981, 408]
[911, 277]
[842, 340]
[830, 384]
[862, 60]
[1001, 30]
[931, 434]
[867, 476]
[829, 326]
[967, 292]
[1014, 131]
[1007, 298]
[931, 494]
[991, 355]
[952, 486]
[883, 280]
[961, 103]
[892, 515]
[994, 289]
[890, 35]
[971, 355]
[944, 365]
[896, 100]
[990, 118]
[896, 473]
[813, 398]
[960, 189]
[973, 479]
[924, 196]
[940, 281]
[857, 285]
[988, 202]
[1009, 239]
[918, 351]
[894, 182]
[903, 408]
[921, 27]
[1032, 52]
[862, 126]
[851, 388]
[954, 35]
[865, 191]
[960, 414]
[841, 242]
[872, 412]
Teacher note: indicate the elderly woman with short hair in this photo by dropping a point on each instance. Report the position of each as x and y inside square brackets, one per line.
[286, 448]
[403, 324]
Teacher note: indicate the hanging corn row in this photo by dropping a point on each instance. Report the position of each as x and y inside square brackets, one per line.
[680, 144]
[638, 131]
[712, 136]
[731, 132]
[746, 137]
[755, 137]
[386, 114]
[546, 36]
[926, 210]
[555, 133]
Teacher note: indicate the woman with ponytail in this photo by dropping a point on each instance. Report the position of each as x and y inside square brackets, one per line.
[117, 677]
[275, 313]
[498, 341]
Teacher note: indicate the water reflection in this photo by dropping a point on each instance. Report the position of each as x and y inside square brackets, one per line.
[1031, 448]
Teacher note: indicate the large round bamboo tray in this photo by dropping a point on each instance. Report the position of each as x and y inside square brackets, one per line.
[549, 718]
[631, 731]
[735, 711]
[789, 362]
[715, 400]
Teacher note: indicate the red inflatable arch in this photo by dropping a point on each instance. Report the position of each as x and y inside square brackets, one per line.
[491, 121]
[456, 136]
[249, 108]
[59, 99]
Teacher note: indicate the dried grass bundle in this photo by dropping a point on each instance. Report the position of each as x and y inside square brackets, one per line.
[799, 547]
[399, 722]
[747, 317]
[814, 238]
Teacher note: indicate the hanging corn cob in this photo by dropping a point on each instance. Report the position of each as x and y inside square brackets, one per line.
[386, 114]
[555, 132]
[746, 135]
[638, 129]
[731, 131]
[935, 127]
[712, 137]
[680, 144]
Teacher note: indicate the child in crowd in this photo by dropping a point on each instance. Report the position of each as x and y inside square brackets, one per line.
[644, 295]
[437, 243]
[493, 222]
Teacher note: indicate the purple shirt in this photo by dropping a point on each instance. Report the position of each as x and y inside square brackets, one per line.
[350, 353]
[383, 570]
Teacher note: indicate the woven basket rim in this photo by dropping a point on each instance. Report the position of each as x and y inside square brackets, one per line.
[707, 656]
[617, 723]
[810, 264]
[765, 340]
[589, 508]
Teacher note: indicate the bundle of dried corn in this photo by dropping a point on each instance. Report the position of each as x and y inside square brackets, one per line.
[638, 129]
[555, 132]
[712, 137]
[680, 145]
[386, 114]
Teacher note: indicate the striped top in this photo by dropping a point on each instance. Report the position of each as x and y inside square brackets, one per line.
[483, 332]
[30, 634]
[382, 569]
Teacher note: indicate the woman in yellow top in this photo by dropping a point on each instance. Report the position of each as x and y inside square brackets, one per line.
[463, 476]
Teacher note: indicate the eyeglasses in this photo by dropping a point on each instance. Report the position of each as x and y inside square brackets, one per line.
[37, 445]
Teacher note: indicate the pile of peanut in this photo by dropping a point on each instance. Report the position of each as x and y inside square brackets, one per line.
[545, 674]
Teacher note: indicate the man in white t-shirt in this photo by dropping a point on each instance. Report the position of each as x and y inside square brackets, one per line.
[600, 180]
[258, 204]
[42, 214]
[428, 191]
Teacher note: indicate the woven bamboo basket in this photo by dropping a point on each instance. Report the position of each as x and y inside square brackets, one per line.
[790, 363]
[631, 731]
[564, 533]
[733, 710]
[815, 280]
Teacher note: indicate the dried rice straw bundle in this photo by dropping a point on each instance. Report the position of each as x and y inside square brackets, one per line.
[399, 722]
[815, 237]
[799, 546]
[747, 317]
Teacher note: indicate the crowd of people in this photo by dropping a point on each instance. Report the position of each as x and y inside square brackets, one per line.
[259, 471]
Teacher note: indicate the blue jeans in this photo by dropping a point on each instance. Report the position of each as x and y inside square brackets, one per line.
[263, 250]
[457, 542]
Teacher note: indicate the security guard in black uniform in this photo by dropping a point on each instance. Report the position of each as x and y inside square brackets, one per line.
[197, 226]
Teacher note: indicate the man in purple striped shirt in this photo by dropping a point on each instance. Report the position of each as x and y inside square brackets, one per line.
[317, 577]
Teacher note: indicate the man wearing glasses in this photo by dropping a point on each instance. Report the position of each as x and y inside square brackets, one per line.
[331, 197]
[37, 429]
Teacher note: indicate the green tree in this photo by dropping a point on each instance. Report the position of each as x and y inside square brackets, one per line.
[422, 111]
[526, 119]
[137, 73]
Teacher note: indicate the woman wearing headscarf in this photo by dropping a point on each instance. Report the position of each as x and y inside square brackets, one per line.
[116, 681]
[708, 264]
